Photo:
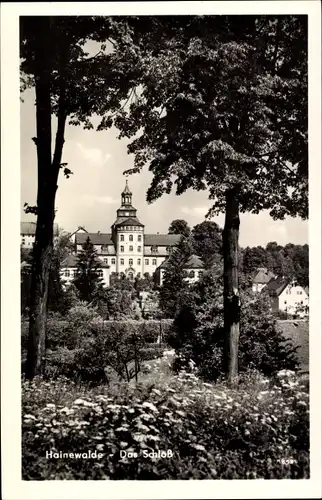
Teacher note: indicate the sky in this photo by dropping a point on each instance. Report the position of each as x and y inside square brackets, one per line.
[91, 196]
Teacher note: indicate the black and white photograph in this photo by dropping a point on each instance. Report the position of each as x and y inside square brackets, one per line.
[164, 309]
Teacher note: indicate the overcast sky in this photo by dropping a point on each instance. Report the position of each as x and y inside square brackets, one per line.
[91, 196]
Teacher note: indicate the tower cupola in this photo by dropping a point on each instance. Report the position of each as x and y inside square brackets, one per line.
[126, 196]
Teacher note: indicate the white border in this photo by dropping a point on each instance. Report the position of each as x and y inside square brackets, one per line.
[13, 487]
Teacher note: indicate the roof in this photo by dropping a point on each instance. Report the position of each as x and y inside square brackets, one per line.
[131, 221]
[194, 262]
[276, 286]
[95, 238]
[162, 239]
[71, 261]
[29, 228]
[80, 228]
[126, 189]
[263, 276]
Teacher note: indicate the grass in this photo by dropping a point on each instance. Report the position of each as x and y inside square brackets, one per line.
[298, 332]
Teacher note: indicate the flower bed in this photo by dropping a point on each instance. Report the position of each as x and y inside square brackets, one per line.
[207, 431]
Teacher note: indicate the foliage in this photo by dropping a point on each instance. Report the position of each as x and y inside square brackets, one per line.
[243, 138]
[175, 290]
[88, 277]
[260, 431]
[179, 226]
[290, 261]
[198, 334]
[207, 242]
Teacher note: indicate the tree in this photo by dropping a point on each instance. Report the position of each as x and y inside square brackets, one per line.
[243, 136]
[73, 86]
[179, 226]
[253, 258]
[175, 289]
[207, 242]
[88, 277]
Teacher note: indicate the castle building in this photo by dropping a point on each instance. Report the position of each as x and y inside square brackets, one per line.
[28, 233]
[127, 250]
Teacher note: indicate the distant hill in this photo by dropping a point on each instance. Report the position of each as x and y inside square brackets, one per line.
[298, 332]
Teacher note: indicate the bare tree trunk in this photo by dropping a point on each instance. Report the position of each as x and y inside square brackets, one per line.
[231, 288]
[47, 186]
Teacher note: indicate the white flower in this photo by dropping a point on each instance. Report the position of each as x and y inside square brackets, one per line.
[151, 406]
[198, 447]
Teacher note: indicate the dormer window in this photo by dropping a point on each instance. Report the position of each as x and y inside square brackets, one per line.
[154, 249]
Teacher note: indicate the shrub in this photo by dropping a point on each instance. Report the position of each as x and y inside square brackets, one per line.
[198, 335]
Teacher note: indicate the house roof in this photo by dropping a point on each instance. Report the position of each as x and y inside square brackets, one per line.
[71, 261]
[149, 239]
[161, 239]
[130, 221]
[276, 286]
[29, 228]
[194, 262]
[95, 238]
[80, 228]
[263, 276]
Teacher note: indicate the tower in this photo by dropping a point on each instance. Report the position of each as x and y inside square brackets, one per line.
[128, 237]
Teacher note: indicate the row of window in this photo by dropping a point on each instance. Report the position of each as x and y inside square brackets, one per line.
[131, 237]
[146, 262]
[130, 248]
[289, 292]
[68, 273]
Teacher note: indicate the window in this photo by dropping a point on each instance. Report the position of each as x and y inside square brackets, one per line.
[105, 261]
[131, 248]
[122, 237]
[122, 262]
[139, 249]
[191, 274]
[75, 273]
[122, 248]
[113, 261]
[146, 262]
[200, 274]
[23, 241]
[154, 262]
[154, 249]
[285, 302]
[299, 292]
[130, 262]
[100, 272]
[67, 273]
[139, 262]
[139, 237]
[131, 237]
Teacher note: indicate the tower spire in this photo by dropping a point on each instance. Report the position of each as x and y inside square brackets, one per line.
[126, 195]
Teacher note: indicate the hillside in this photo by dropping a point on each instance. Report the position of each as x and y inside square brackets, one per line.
[298, 332]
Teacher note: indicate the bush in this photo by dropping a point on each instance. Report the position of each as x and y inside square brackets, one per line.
[198, 335]
[260, 431]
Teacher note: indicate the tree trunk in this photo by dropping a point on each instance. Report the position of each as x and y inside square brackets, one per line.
[231, 288]
[47, 186]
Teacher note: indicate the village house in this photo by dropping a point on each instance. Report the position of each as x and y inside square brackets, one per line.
[288, 296]
[261, 279]
[193, 269]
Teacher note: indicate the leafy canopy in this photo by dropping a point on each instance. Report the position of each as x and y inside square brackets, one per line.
[222, 104]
